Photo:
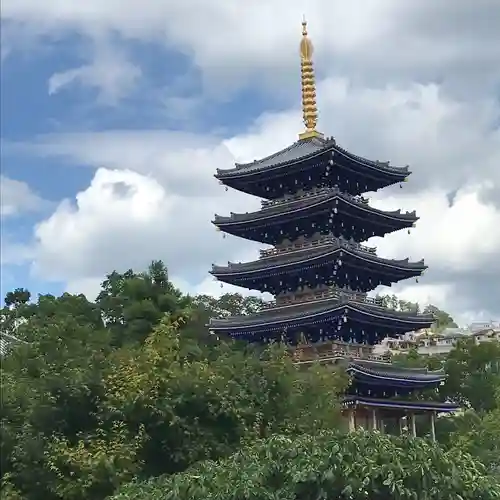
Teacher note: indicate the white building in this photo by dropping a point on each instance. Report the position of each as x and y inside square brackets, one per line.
[429, 343]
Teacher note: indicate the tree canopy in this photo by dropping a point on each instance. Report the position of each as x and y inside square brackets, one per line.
[133, 387]
[104, 392]
[330, 465]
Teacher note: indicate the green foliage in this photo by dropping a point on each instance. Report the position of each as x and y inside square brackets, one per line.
[412, 359]
[473, 380]
[134, 385]
[329, 465]
[87, 404]
[51, 386]
[443, 319]
[193, 408]
[393, 302]
[229, 304]
[479, 434]
[473, 375]
[17, 297]
[132, 304]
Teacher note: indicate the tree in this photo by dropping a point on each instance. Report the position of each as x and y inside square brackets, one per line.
[17, 297]
[50, 387]
[479, 436]
[132, 304]
[393, 302]
[193, 408]
[473, 375]
[81, 414]
[229, 304]
[206, 307]
[443, 319]
[330, 465]
[412, 359]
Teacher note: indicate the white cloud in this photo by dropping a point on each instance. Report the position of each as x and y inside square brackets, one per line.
[17, 197]
[109, 72]
[418, 91]
[90, 287]
[171, 195]
[417, 124]
[125, 219]
[183, 163]
[460, 237]
[456, 42]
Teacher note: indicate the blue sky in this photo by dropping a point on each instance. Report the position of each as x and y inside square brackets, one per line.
[31, 110]
[154, 96]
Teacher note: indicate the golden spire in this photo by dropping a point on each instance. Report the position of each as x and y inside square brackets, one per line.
[309, 109]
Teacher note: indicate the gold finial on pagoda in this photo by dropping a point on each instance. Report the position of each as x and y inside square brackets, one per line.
[309, 108]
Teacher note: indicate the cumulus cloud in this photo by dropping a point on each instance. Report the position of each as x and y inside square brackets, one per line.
[457, 237]
[125, 219]
[160, 202]
[17, 197]
[460, 242]
[410, 82]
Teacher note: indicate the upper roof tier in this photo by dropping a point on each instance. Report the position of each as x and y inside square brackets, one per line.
[339, 317]
[325, 211]
[333, 261]
[309, 163]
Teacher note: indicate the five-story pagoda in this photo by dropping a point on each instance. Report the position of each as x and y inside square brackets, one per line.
[316, 218]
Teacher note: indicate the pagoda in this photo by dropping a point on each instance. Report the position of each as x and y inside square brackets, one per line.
[315, 218]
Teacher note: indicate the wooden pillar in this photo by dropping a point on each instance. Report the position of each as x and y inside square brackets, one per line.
[352, 423]
[374, 420]
[413, 425]
[433, 426]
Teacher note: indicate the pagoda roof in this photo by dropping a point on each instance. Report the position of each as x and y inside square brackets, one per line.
[305, 149]
[398, 404]
[297, 205]
[280, 318]
[389, 372]
[308, 255]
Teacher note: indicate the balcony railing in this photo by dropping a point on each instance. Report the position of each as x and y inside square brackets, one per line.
[324, 240]
[332, 351]
[330, 293]
[311, 194]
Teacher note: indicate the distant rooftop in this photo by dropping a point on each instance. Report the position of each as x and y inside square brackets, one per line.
[483, 325]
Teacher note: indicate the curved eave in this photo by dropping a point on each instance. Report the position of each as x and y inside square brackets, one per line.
[304, 150]
[396, 377]
[276, 212]
[395, 404]
[282, 263]
[388, 367]
[282, 317]
[297, 152]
